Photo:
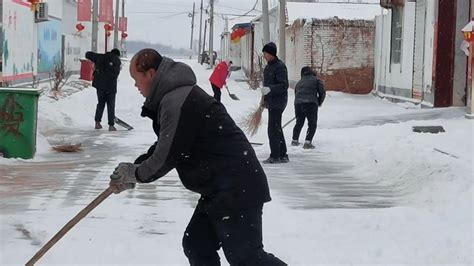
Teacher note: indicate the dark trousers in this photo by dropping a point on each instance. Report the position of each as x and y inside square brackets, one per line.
[109, 99]
[217, 92]
[238, 232]
[275, 134]
[306, 111]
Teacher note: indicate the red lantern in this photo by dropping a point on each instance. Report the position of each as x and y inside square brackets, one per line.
[108, 27]
[80, 27]
[124, 35]
[468, 36]
[468, 31]
[33, 3]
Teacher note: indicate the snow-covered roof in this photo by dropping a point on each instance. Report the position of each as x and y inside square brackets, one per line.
[239, 20]
[330, 10]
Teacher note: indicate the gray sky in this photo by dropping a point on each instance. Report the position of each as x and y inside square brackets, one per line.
[167, 21]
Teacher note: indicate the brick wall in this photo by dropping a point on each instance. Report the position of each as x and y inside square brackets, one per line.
[341, 51]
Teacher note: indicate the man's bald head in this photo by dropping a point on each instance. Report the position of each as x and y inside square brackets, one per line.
[145, 60]
[143, 68]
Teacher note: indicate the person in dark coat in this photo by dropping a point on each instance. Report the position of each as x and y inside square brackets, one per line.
[275, 96]
[309, 95]
[197, 137]
[106, 71]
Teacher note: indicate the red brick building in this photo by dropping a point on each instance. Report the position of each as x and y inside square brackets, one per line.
[340, 50]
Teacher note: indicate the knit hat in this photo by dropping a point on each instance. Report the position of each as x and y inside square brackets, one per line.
[270, 48]
[115, 51]
[307, 71]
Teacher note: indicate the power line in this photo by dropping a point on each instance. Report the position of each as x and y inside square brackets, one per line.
[152, 12]
[253, 8]
[163, 17]
[236, 15]
[164, 3]
[230, 7]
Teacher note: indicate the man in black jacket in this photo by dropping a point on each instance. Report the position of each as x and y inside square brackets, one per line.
[275, 95]
[212, 156]
[309, 95]
[106, 72]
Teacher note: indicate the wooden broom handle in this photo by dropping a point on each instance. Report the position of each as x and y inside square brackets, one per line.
[70, 225]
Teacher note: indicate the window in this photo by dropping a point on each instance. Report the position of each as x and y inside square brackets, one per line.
[397, 31]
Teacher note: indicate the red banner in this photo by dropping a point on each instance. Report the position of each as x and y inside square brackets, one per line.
[106, 11]
[84, 10]
[123, 24]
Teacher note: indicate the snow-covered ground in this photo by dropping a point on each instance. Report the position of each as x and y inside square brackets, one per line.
[372, 192]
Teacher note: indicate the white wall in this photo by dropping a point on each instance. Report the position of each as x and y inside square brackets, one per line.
[397, 79]
[297, 55]
[258, 29]
[429, 56]
[75, 48]
[76, 44]
[246, 53]
[55, 8]
[460, 58]
[69, 18]
[225, 46]
[69, 11]
[235, 54]
[378, 65]
[19, 56]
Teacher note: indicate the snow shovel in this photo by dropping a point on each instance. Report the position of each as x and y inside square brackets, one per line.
[122, 123]
[287, 123]
[70, 225]
[256, 143]
[231, 95]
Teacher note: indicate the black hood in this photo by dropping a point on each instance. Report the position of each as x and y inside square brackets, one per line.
[169, 76]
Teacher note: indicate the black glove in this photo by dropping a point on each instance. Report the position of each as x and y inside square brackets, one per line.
[123, 177]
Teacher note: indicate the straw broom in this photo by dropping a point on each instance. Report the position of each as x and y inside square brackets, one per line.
[67, 147]
[253, 120]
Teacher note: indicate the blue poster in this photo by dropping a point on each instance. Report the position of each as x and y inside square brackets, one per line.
[49, 45]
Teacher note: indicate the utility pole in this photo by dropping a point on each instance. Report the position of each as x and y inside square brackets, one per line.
[116, 37]
[95, 25]
[225, 49]
[282, 40]
[192, 29]
[470, 89]
[265, 20]
[122, 40]
[211, 35]
[200, 33]
[204, 42]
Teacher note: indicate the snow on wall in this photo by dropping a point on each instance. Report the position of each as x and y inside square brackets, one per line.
[330, 10]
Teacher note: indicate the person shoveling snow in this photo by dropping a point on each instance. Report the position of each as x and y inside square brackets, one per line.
[197, 136]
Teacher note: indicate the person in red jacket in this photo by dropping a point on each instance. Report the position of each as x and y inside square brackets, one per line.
[218, 78]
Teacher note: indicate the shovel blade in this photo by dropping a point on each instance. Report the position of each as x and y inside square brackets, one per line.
[234, 97]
